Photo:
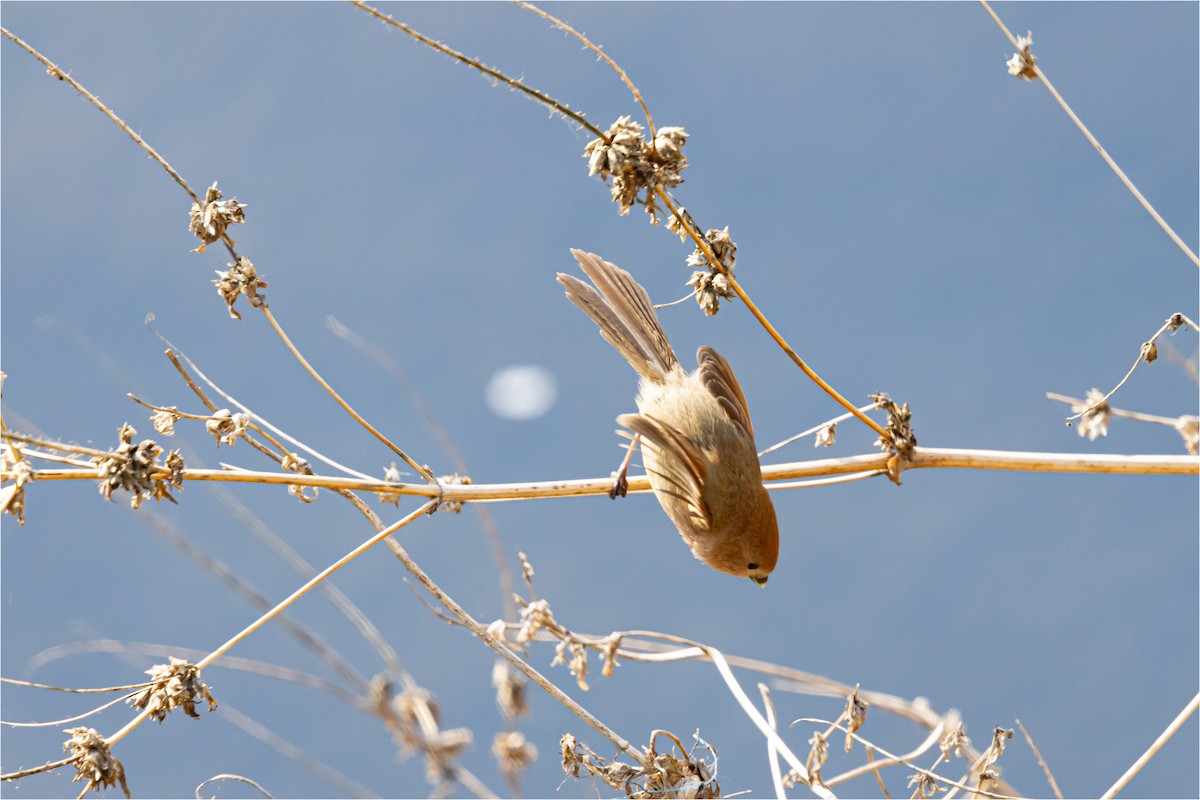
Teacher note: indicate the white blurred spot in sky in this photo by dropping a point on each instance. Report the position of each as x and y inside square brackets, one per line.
[521, 392]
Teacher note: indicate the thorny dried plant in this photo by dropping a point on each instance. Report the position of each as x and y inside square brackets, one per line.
[635, 165]
[94, 761]
[132, 468]
[173, 685]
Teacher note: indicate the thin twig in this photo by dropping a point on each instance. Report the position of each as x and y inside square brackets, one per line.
[1092, 139]
[637, 95]
[287, 342]
[762, 319]
[265, 618]
[1152, 751]
[772, 753]
[55, 72]
[1042, 761]
[475, 63]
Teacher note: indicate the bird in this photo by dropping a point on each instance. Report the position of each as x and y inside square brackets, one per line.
[696, 436]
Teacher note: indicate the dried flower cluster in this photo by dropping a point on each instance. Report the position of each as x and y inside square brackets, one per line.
[226, 426]
[390, 475]
[986, 765]
[899, 438]
[826, 436]
[132, 467]
[711, 283]
[453, 479]
[635, 165]
[855, 715]
[294, 463]
[240, 279]
[21, 470]
[174, 685]
[415, 721]
[208, 220]
[660, 775]
[164, 420]
[1023, 64]
[94, 761]
[514, 752]
[1189, 428]
[510, 688]
[1095, 415]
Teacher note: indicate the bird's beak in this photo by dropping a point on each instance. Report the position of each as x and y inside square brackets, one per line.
[760, 581]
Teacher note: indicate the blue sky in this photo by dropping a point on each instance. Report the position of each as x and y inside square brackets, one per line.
[911, 217]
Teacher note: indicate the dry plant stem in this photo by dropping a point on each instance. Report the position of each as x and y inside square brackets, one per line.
[229, 777]
[508, 655]
[811, 431]
[1092, 139]
[67, 721]
[923, 458]
[762, 320]
[1163, 738]
[421, 470]
[1141, 357]
[475, 63]
[265, 618]
[49, 766]
[599, 52]
[381, 357]
[1117, 412]
[931, 740]
[58, 73]
[780, 746]
[100, 690]
[174, 354]
[772, 753]
[1045, 767]
[900, 760]
[875, 771]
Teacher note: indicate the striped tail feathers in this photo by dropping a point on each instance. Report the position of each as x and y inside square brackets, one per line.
[622, 310]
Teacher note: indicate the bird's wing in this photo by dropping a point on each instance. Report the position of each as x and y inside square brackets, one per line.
[717, 376]
[678, 462]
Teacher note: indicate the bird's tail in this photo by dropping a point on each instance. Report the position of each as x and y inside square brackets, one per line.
[623, 311]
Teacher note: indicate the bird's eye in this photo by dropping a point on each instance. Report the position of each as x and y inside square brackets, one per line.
[752, 565]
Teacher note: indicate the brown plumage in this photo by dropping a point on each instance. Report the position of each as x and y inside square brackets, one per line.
[697, 439]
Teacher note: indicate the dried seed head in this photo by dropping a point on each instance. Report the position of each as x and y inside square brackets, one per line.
[1189, 429]
[208, 220]
[454, 479]
[1023, 64]
[855, 715]
[826, 435]
[132, 467]
[390, 475]
[680, 229]
[711, 284]
[21, 470]
[635, 166]
[927, 785]
[510, 690]
[577, 663]
[954, 742]
[514, 752]
[94, 761]
[240, 279]
[899, 437]
[1095, 415]
[174, 685]
[164, 420]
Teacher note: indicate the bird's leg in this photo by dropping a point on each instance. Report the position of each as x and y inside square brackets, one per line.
[620, 485]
